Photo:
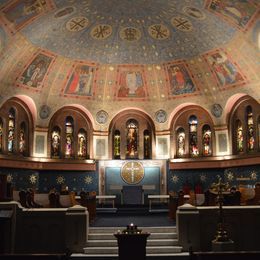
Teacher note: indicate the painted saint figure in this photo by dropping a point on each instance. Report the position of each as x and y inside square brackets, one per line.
[55, 144]
[82, 146]
[22, 142]
[131, 84]
[180, 80]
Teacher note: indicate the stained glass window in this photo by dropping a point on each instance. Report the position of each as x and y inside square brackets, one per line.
[117, 144]
[11, 129]
[1, 135]
[82, 144]
[131, 137]
[193, 137]
[22, 139]
[55, 143]
[239, 136]
[147, 144]
[250, 130]
[69, 128]
[206, 139]
[180, 142]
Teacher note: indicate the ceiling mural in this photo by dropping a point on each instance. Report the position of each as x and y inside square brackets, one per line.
[149, 54]
[138, 31]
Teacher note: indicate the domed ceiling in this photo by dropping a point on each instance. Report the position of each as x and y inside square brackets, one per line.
[127, 31]
[128, 51]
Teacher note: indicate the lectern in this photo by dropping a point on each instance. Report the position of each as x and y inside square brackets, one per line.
[131, 243]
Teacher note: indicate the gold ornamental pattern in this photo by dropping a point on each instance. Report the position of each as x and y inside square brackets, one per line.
[132, 172]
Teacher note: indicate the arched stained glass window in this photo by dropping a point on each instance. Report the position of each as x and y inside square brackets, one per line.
[147, 144]
[11, 130]
[180, 142]
[1, 135]
[250, 129]
[193, 136]
[22, 139]
[206, 140]
[117, 142]
[69, 129]
[82, 144]
[55, 142]
[131, 138]
[239, 136]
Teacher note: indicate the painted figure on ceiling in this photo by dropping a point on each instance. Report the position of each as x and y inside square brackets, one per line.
[131, 85]
[224, 69]
[22, 11]
[238, 12]
[81, 80]
[34, 74]
[180, 81]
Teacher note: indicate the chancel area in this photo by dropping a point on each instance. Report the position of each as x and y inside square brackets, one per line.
[127, 119]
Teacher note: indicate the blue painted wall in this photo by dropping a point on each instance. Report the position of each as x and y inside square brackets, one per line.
[176, 179]
[113, 177]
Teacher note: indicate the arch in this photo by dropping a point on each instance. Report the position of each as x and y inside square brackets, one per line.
[231, 102]
[180, 118]
[237, 111]
[30, 104]
[119, 122]
[25, 111]
[73, 113]
[79, 108]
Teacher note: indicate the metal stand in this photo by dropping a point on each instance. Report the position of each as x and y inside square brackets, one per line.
[221, 242]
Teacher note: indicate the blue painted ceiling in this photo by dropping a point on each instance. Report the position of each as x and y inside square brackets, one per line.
[129, 31]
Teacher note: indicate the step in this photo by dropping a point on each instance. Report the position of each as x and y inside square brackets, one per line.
[113, 230]
[150, 242]
[108, 236]
[102, 256]
[149, 250]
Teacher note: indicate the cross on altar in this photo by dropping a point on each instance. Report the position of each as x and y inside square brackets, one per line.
[132, 172]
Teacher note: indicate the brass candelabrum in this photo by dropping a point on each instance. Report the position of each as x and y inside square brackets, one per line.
[220, 187]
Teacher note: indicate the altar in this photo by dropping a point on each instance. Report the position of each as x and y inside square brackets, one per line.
[132, 195]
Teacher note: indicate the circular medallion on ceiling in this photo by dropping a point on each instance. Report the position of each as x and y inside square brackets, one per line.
[130, 34]
[101, 31]
[216, 110]
[64, 11]
[161, 116]
[77, 24]
[101, 117]
[182, 24]
[159, 31]
[44, 111]
[194, 12]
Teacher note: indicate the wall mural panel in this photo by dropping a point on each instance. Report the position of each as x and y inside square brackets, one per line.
[180, 79]
[22, 12]
[131, 83]
[240, 13]
[225, 71]
[80, 81]
[35, 73]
